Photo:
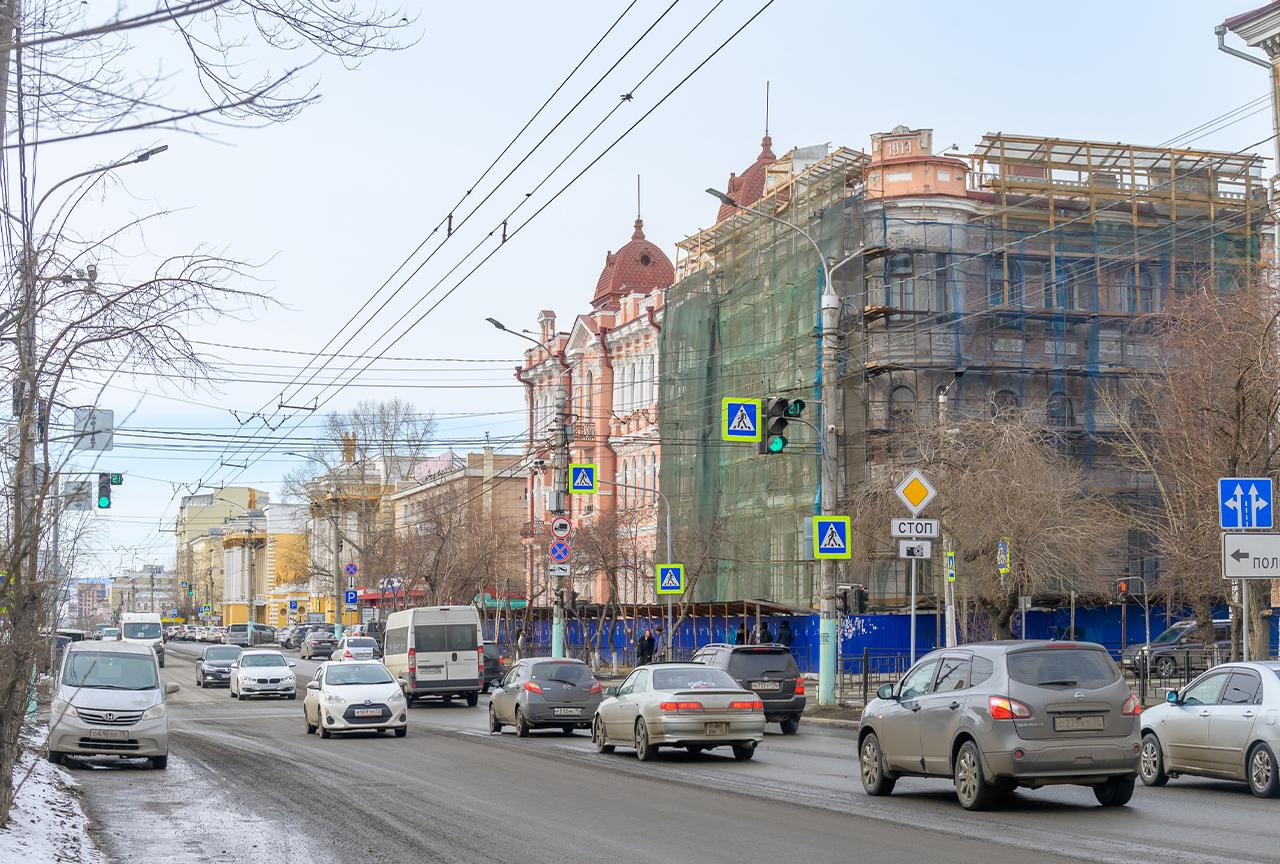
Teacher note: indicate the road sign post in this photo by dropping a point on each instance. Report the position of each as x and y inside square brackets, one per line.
[949, 556]
[915, 491]
[1244, 504]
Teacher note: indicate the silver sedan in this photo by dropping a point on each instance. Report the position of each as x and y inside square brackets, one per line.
[1221, 725]
[687, 705]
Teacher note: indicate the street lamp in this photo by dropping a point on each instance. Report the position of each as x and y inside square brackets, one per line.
[829, 325]
[559, 482]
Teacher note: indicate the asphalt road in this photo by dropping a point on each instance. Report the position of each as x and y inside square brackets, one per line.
[246, 784]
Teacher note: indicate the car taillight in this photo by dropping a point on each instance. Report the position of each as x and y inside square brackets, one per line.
[413, 663]
[747, 705]
[1002, 708]
[480, 662]
[800, 686]
[680, 706]
[1132, 707]
[596, 688]
[532, 687]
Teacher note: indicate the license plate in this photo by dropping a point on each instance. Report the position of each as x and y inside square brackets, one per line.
[567, 712]
[766, 685]
[109, 734]
[1076, 724]
[717, 728]
[367, 712]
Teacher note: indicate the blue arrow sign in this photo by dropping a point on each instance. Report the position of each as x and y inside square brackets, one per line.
[831, 537]
[349, 596]
[1245, 502]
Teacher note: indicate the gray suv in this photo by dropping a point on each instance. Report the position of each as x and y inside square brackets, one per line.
[998, 715]
[1182, 649]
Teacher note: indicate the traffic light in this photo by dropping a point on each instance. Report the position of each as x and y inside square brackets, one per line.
[860, 600]
[117, 479]
[104, 491]
[1123, 585]
[778, 412]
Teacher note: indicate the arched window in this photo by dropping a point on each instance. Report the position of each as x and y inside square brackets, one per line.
[1061, 413]
[1003, 401]
[1002, 289]
[902, 404]
[585, 412]
[1138, 291]
[626, 480]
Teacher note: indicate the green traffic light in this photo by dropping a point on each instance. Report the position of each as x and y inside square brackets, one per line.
[104, 501]
[777, 443]
[795, 408]
[117, 479]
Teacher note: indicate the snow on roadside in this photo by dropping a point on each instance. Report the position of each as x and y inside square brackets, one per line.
[46, 823]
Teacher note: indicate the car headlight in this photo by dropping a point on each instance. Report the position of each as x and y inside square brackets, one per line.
[155, 712]
[289, 679]
[333, 698]
[396, 696]
[62, 706]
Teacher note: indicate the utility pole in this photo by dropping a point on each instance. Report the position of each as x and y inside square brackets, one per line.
[337, 565]
[248, 630]
[556, 503]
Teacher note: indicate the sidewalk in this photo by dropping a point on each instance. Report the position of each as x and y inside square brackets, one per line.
[46, 823]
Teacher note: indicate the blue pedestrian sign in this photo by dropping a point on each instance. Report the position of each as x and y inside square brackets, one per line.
[1245, 502]
[740, 419]
[670, 579]
[582, 478]
[349, 597]
[831, 537]
[206, 609]
[293, 605]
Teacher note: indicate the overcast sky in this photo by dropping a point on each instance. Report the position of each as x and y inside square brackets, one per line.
[330, 203]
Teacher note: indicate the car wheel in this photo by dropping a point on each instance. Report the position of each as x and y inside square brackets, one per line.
[1264, 781]
[522, 727]
[311, 730]
[231, 693]
[791, 726]
[971, 787]
[1166, 667]
[402, 731]
[494, 725]
[160, 762]
[1116, 792]
[293, 695]
[324, 733]
[644, 750]
[598, 737]
[1151, 762]
[55, 757]
[473, 699]
[744, 752]
[875, 780]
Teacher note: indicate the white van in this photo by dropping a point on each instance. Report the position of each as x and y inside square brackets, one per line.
[436, 651]
[145, 628]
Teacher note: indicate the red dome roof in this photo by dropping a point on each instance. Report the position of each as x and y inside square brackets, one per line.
[638, 266]
[749, 188]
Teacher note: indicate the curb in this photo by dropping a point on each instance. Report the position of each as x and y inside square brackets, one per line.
[830, 722]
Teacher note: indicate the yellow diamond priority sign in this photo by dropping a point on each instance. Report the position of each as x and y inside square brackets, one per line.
[915, 492]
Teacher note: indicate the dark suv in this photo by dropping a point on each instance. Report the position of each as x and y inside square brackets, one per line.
[1181, 649]
[770, 671]
[494, 667]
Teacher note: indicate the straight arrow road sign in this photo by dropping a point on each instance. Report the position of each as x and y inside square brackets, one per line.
[1251, 556]
[1245, 502]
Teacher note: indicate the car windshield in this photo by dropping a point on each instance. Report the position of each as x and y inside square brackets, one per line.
[1170, 635]
[567, 673]
[319, 635]
[343, 674]
[222, 652]
[491, 651]
[762, 662]
[693, 679]
[106, 671]
[361, 642]
[1063, 667]
[142, 630]
[262, 660]
[109, 632]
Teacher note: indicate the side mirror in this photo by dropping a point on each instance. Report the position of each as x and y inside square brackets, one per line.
[171, 688]
[1172, 697]
[235, 665]
[313, 685]
[292, 664]
[611, 691]
[885, 691]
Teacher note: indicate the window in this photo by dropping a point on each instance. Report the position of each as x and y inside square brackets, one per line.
[1087, 668]
[693, 679]
[1206, 690]
[637, 683]
[429, 637]
[112, 671]
[901, 291]
[1003, 401]
[953, 674]
[1061, 413]
[941, 283]
[918, 681]
[1070, 286]
[982, 670]
[585, 412]
[343, 674]
[902, 404]
[1244, 688]
[1138, 289]
[1004, 281]
[262, 660]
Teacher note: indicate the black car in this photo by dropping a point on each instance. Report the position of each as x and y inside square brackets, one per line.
[213, 668]
[494, 667]
[1182, 648]
[770, 671]
[318, 642]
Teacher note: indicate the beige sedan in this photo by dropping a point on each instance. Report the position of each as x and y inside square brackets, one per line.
[687, 705]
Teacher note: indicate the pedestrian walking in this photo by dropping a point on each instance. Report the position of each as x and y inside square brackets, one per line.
[660, 643]
[785, 636]
[522, 643]
[761, 635]
[740, 637]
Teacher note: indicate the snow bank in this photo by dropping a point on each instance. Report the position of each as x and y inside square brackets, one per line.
[46, 825]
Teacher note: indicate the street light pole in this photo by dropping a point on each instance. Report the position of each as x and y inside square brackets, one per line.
[666, 506]
[829, 306]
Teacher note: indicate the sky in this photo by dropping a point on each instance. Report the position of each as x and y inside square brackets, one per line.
[329, 204]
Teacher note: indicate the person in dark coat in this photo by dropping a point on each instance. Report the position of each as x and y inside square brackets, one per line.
[740, 638]
[785, 636]
[644, 648]
[761, 635]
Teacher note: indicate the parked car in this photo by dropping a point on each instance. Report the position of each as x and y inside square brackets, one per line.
[768, 670]
[687, 705]
[1221, 725]
[215, 634]
[57, 647]
[238, 634]
[543, 692]
[495, 665]
[213, 667]
[998, 715]
[435, 651]
[109, 699]
[317, 642]
[262, 672]
[356, 648]
[109, 633]
[355, 696]
[1181, 648]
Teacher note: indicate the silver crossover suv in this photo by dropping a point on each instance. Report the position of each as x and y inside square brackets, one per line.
[998, 715]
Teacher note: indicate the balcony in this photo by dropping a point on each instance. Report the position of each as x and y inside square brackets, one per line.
[531, 529]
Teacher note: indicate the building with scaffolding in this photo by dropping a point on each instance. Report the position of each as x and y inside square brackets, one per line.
[1030, 273]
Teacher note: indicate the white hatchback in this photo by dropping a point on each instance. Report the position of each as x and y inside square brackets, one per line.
[353, 696]
[355, 648]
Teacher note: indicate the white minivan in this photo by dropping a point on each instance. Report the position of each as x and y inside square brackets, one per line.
[144, 628]
[436, 651]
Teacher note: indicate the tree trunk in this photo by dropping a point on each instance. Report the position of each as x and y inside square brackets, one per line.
[1000, 611]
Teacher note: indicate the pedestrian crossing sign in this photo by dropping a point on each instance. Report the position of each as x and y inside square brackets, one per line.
[670, 579]
[740, 419]
[582, 478]
[831, 537]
